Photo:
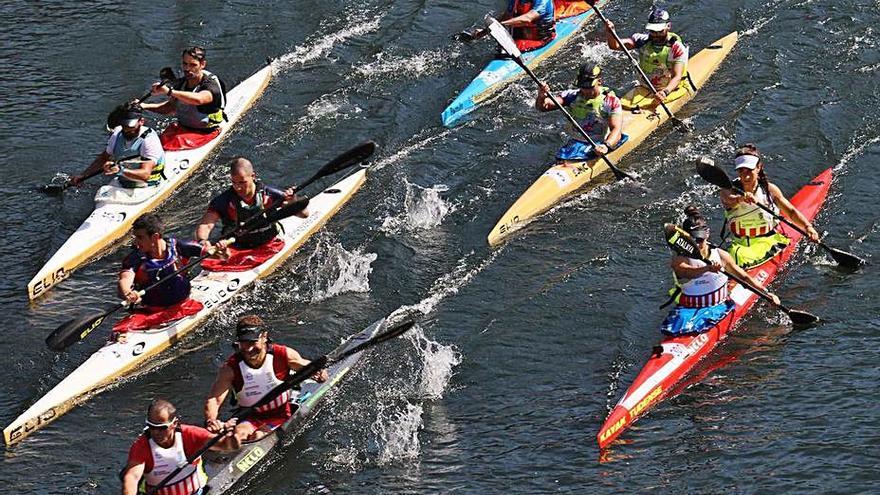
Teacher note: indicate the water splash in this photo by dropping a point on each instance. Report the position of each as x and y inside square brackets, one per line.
[397, 432]
[387, 67]
[334, 270]
[438, 361]
[358, 26]
[598, 53]
[423, 208]
[449, 284]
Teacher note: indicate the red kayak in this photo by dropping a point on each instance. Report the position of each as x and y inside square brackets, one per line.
[681, 354]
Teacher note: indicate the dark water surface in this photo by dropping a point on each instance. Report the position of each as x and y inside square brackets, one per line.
[541, 336]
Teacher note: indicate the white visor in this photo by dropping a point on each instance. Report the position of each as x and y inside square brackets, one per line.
[746, 161]
[658, 26]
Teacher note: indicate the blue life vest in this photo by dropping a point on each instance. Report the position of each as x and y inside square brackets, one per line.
[122, 149]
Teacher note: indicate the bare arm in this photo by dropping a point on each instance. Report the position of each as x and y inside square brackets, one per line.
[97, 164]
[206, 225]
[167, 107]
[735, 269]
[729, 199]
[681, 268]
[792, 213]
[131, 478]
[543, 102]
[612, 41]
[216, 397]
[125, 287]
[677, 73]
[524, 20]
[615, 126]
[142, 173]
[296, 362]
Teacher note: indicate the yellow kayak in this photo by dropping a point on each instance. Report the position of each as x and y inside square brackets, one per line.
[564, 179]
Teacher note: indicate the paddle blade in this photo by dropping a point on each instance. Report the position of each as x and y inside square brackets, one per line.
[285, 211]
[844, 259]
[393, 332]
[74, 331]
[53, 189]
[502, 37]
[167, 74]
[712, 174]
[680, 241]
[802, 318]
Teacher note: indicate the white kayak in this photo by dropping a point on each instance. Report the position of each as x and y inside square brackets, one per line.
[114, 360]
[116, 208]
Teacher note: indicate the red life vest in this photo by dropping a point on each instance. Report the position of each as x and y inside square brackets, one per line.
[539, 30]
[252, 384]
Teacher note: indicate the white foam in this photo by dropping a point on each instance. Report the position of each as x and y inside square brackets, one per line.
[423, 208]
[358, 26]
[333, 270]
[397, 432]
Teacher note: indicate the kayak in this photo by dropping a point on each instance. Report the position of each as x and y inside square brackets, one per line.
[224, 470]
[116, 208]
[502, 71]
[212, 289]
[675, 357]
[562, 180]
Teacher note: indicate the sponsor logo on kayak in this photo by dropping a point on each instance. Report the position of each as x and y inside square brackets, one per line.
[250, 459]
[138, 349]
[508, 227]
[219, 295]
[48, 281]
[646, 402]
[31, 426]
[612, 430]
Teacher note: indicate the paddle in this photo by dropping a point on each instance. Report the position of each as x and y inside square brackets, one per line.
[497, 31]
[678, 122]
[469, 35]
[166, 75]
[716, 176]
[55, 188]
[300, 376]
[77, 329]
[683, 244]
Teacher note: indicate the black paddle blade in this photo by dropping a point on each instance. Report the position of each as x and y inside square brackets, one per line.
[844, 259]
[351, 157]
[712, 174]
[53, 189]
[393, 332]
[680, 241]
[73, 331]
[167, 74]
[802, 318]
[285, 211]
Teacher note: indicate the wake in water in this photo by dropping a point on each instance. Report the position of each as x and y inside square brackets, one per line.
[333, 270]
[423, 208]
[358, 25]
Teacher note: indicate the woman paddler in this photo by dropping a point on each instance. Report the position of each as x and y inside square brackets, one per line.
[753, 230]
[702, 298]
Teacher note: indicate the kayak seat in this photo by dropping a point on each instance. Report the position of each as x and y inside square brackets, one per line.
[113, 193]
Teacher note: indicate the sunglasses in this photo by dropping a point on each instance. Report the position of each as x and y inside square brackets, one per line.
[160, 426]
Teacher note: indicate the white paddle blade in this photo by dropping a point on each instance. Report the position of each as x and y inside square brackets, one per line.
[499, 32]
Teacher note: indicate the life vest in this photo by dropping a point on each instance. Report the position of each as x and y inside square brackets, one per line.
[654, 61]
[122, 148]
[588, 113]
[544, 28]
[188, 481]
[563, 9]
[250, 384]
[206, 116]
[748, 220]
[148, 271]
[244, 212]
[706, 290]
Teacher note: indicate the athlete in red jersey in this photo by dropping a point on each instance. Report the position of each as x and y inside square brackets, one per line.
[257, 367]
[166, 444]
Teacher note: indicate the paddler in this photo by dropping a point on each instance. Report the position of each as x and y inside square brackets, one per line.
[701, 290]
[197, 99]
[257, 366]
[244, 199]
[133, 154]
[595, 107]
[532, 23]
[153, 258]
[164, 445]
[663, 57]
[754, 238]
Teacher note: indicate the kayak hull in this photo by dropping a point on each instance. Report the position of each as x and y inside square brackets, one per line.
[117, 208]
[679, 355]
[225, 470]
[563, 180]
[500, 72]
[115, 360]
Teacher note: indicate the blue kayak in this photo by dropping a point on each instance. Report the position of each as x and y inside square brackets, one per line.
[502, 71]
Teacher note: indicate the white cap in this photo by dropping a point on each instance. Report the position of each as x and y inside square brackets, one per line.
[746, 161]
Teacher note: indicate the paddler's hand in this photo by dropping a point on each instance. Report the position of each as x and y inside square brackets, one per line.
[111, 168]
[543, 89]
[290, 194]
[320, 376]
[774, 298]
[748, 198]
[75, 180]
[812, 234]
[229, 426]
[160, 89]
[609, 26]
[600, 149]
[215, 426]
[662, 94]
[714, 267]
[133, 297]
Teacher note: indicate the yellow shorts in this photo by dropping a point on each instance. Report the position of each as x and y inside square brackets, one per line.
[643, 98]
[749, 252]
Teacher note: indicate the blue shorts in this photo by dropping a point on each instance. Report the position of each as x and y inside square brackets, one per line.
[575, 150]
[689, 321]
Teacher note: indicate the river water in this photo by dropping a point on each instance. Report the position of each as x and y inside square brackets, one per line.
[523, 350]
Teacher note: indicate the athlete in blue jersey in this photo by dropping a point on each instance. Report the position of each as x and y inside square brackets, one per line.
[153, 258]
[532, 22]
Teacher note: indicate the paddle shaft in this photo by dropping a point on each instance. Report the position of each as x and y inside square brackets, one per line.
[636, 63]
[300, 376]
[620, 174]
